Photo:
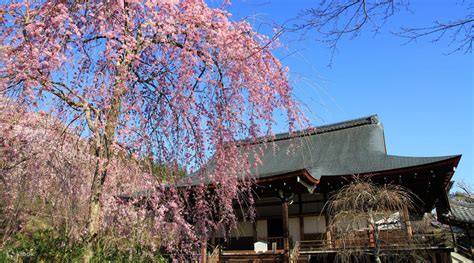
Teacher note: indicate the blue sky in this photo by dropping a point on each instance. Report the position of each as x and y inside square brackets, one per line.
[423, 97]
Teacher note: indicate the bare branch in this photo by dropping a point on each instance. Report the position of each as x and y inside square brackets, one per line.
[362, 206]
[332, 20]
[460, 32]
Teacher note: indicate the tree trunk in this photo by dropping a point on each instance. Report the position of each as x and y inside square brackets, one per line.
[93, 225]
[376, 237]
[104, 156]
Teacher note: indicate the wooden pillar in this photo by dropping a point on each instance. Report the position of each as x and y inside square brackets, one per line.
[255, 237]
[408, 227]
[286, 241]
[300, 212]
[454, 239]
[204, 251]
[328, 223]
[301, 228]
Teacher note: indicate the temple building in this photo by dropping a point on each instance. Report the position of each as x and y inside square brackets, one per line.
[297, 176]
[461, 218]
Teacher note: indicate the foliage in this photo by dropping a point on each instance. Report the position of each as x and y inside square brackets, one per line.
[43, 179]
[45, 245]
[43, 209]
[176, 81]
[162, 171]
[52, 246]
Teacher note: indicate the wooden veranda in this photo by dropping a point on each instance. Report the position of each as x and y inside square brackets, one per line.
[432, 247]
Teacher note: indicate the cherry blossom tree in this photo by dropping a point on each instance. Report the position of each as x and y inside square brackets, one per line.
[46, 171]
[175, 82]
[38, 170]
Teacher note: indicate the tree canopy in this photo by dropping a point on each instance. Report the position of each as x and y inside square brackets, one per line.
[172, 81]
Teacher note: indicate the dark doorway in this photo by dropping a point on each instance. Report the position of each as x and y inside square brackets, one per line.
[275, 227]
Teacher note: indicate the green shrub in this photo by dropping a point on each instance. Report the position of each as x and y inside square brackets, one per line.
[41, 245]
[50, 246]
[116, 252]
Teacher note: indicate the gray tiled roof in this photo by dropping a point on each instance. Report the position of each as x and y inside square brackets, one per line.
[461, 212]
[345, 148]
[351, 147]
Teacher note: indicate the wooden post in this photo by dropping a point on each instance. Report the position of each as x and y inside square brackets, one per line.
[328, 222]
[328, 231]
[301, 219]
[204, 251]
[454, 238]
[300, 212]
[255, 237]
[286, 241]
[408, 227]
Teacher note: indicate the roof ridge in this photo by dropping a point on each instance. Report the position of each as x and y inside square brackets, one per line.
[371, 119]
[368, 120]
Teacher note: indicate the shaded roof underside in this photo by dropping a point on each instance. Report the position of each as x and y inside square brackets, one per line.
[346, 148]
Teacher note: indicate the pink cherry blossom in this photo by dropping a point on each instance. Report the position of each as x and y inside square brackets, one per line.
[175, 82]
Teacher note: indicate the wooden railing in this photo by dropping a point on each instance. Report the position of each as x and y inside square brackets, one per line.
[386, 242]
[313, 245]
[278, 240]
[466, 252]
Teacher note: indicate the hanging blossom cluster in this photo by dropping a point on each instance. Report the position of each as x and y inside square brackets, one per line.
[46, 170]
[39, 172]
[173, 83]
